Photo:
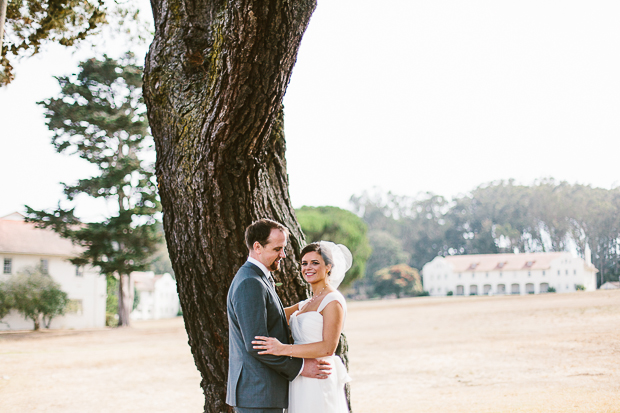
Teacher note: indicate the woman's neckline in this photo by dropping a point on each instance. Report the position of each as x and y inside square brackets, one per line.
[299, 311]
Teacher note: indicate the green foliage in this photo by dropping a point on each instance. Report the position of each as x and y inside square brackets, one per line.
[398, 280]
[32, 23]
[580, 287]
[450, 293]
[36, 296]
[387, 250]
[500, 217]
[111, 303]
[100, 116]
[6, 300]
[551, 289]
[341, 227]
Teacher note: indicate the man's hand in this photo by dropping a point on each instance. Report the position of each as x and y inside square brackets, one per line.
[316, 369]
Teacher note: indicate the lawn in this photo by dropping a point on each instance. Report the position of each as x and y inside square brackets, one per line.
[537, 353]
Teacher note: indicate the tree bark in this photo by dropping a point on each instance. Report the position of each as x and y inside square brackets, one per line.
[214, 81]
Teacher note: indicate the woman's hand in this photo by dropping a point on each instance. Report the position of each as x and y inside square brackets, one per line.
[269, 345]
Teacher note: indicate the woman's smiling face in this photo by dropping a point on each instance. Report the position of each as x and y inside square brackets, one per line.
[313, 267]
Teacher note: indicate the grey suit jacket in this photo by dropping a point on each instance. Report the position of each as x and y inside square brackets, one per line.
[254, 309]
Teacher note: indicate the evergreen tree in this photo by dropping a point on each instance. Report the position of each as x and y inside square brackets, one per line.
[100, 116]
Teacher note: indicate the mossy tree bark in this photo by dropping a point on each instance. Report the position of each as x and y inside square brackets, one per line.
[214, 81]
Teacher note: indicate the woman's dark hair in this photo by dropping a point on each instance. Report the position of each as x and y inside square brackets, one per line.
[316, 247]
[260, 231]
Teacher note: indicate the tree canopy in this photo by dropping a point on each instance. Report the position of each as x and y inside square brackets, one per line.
[100, 117]
[32, 23]
[341, 227]
[35, 295]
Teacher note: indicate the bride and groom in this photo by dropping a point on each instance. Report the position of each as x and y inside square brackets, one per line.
[266, 372]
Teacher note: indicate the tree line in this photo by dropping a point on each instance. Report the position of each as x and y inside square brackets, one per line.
[497, 217]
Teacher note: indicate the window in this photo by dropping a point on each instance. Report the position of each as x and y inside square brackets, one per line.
[543, 273]
[529, 273]
[487, 275]
[8, 265]
[574, 272]
[473, 275]
[558, 272]
[79, 271]
[544, 287]
[459, 275]
[500, 275]
[566, 272]
[45, 268]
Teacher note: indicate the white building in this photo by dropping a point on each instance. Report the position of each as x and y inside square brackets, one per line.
[486, 274]
[158, 296]
[22, 245]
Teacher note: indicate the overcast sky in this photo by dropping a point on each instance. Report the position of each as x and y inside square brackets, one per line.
[408, 96]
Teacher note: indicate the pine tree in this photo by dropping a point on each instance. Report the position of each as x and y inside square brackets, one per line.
[100, 116]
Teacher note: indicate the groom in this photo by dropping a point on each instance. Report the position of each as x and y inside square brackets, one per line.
[259, 383]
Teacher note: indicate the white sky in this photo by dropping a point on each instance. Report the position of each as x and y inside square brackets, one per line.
[407, 96]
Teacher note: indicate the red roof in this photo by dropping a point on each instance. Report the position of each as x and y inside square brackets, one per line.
[503, 262]
[20, 237]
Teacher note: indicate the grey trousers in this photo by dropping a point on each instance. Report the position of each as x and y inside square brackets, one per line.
[259, 410]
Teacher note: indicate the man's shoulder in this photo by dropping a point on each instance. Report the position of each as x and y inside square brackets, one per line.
[248, 274]
[248, 270]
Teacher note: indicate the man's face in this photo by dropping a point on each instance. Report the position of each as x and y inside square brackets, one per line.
[273, 252]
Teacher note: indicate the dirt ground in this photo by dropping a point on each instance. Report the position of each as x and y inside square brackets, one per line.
[544, 353]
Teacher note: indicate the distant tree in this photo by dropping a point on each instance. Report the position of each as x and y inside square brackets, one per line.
[100, 116]
[6, 300]
[111, 303]
[387, 250]
[339, 226]
[37, 296]
[399, 280]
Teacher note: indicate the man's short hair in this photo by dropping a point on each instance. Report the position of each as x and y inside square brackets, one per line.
[260, 231]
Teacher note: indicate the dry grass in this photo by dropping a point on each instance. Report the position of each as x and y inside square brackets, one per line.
[547, 353]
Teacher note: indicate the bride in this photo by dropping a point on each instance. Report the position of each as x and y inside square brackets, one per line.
[316, 324]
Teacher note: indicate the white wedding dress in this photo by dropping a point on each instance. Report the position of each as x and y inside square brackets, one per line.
[307, 395]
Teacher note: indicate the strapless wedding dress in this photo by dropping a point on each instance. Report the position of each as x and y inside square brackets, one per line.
[307, 395]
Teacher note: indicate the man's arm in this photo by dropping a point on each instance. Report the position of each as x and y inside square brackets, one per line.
[250, 307]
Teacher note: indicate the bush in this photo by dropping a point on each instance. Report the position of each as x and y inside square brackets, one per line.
[580, 287]
[450, 293]
[6, 301]
[398, 280]
[551, 290]
[36, 296]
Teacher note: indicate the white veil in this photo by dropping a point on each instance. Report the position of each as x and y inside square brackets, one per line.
[343, 259]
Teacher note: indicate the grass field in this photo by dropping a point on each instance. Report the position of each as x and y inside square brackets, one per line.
[543, 353]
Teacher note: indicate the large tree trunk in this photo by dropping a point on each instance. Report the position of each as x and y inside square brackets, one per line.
[214, 81]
